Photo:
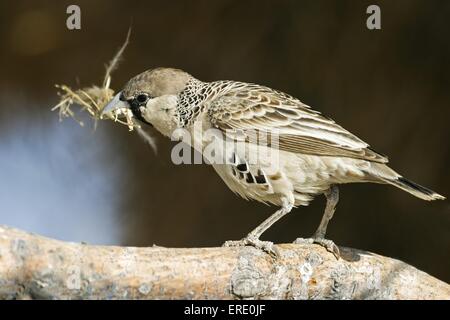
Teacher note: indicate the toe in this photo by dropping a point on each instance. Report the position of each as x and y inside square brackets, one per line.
[329, 245]
[265, 246]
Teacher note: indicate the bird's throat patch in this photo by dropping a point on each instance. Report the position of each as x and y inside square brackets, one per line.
[138, 114]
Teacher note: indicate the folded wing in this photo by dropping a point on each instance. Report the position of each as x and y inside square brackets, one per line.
[300, 129]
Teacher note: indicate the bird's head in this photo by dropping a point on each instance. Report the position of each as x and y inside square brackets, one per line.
[152, 96]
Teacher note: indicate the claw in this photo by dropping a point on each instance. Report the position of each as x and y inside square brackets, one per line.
[266, 246]
[329, 245]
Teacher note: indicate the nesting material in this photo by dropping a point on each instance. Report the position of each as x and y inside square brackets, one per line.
[94, 99]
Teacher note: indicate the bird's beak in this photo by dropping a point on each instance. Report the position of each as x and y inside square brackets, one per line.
[114, 104]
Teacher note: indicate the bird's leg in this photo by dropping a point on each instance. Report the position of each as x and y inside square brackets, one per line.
[332, 195]
[252, 239]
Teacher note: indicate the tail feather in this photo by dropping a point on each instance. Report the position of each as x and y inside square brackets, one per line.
[387, 175]
[416, 189]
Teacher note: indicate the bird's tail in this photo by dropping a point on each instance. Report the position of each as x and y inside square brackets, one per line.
[415, 189]
[383, 173]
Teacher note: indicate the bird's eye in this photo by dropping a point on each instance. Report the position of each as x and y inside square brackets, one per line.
[142, 98]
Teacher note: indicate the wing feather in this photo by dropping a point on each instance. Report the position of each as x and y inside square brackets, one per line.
[300, 129]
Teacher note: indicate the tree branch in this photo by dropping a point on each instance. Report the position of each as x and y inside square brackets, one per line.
[35, 267]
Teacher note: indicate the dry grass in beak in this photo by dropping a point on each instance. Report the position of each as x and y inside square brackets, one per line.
[94, 99]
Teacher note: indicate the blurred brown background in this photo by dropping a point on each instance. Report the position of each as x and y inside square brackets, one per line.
[390, 87]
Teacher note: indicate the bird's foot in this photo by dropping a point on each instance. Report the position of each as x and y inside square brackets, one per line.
[327, 244]
[266, 246]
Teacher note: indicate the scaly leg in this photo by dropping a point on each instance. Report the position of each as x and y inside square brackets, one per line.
[252, 239]
[332, 196]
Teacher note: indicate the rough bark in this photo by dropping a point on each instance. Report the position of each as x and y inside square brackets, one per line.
[35, 267]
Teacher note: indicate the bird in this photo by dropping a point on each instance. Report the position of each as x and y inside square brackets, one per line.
[308, 154]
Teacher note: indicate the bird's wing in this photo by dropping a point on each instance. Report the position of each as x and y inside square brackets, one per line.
[300, 129]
